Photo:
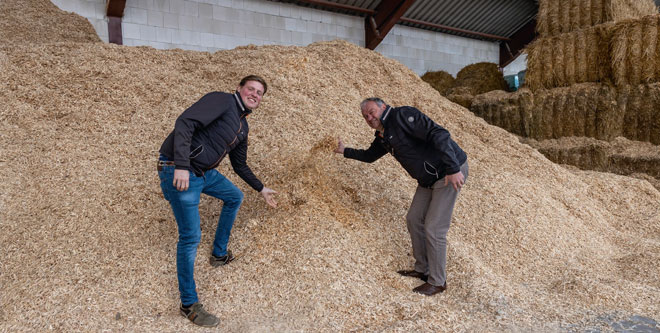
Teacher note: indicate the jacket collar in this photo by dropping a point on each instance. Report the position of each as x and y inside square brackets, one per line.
[386, 113]
[239, 102]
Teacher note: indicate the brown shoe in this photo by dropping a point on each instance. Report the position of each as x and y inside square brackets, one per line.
[429, 289]
[414, 273]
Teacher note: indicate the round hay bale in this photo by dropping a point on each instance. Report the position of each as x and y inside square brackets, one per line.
[439, 80]
[480, 78]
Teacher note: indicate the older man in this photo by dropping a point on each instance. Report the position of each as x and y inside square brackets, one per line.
[210, 129]
[429, 155]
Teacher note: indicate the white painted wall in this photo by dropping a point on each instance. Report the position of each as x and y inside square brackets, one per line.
[211, 25]
[516, 65]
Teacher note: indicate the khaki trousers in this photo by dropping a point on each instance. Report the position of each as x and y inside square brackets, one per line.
[428, 220]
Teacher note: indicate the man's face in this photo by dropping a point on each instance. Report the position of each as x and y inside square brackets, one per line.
[251, 94]
[371, 113]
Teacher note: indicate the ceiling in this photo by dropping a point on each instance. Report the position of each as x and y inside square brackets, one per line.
[487, 18]
[479, 19]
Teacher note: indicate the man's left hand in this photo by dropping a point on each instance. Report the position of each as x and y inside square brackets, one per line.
[269, 196]
[456, 180]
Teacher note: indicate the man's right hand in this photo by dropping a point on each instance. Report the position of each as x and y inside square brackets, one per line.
[181, 178]
[340, 147]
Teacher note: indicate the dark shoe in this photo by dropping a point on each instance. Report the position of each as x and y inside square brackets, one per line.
[199, 316]
[221, 261]
[429, 289]
[414, 273]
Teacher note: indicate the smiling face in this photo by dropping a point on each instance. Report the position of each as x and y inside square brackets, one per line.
[251, 93]
[371, 113]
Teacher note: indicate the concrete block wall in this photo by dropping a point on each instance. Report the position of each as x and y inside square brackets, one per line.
[211, 25]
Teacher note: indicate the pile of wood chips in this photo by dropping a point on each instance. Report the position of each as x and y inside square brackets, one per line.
[89, 242]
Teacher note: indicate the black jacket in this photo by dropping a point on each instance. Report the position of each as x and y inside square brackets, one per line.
[209, 130]
[423, 148]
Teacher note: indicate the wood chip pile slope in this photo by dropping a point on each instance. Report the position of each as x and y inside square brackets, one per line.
[89, 242]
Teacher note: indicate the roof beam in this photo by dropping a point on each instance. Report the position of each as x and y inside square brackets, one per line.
[511, 49]
[445, 27]
[387, 14]
[114, 10]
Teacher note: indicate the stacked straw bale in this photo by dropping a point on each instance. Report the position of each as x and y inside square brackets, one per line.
[565, 59]
[640, 106]
[507, 110]
[439, 80]
[561, 16]
[621, 156]
[473, 80]
[584, 109]
[636, 51]
[89, 243]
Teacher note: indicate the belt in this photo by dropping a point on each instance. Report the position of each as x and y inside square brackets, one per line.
[161, 164]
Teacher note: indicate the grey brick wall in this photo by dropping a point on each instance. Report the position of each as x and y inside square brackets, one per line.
[211, 25]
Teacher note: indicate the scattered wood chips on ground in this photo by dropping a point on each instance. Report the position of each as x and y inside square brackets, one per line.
[88, 242]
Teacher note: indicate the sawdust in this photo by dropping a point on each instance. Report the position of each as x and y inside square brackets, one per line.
[89, 242]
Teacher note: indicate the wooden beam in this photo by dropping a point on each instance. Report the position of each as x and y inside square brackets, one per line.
[115, 8]
[114, 30]
[387, 14]
[511, 49]
[444, 27]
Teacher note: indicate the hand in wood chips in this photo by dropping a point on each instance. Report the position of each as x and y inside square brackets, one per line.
[340, 146]
[456, 180]
[181, 178]
[269, 196]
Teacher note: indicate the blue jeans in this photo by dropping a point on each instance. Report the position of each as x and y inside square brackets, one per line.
[186, 212]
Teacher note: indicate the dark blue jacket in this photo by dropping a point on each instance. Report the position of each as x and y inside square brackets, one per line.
[209, 130]
[422, 147]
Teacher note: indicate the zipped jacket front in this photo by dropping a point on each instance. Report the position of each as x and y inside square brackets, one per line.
[422, 147]
[206, 132]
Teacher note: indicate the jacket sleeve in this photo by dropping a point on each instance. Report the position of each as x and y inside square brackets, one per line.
[199, 115]
[374, 152]
[238, 158]
[418, 125]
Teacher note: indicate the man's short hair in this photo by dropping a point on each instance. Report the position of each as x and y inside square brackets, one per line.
[376, 100]
[254, 78]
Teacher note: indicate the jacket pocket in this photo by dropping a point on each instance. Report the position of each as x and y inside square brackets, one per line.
[195, 152]
[430, 169]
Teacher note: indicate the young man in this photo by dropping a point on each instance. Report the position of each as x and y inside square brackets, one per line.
[428, 154]
[210, 129]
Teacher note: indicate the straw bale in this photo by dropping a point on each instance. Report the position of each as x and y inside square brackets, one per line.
[635, 57]
[461, 95]
[576, 57]
[89, 242]
[637, 159]
[439, 80]
[562, 16]
[479, 78]
[640, 106]
[585, 109]
[506, 110]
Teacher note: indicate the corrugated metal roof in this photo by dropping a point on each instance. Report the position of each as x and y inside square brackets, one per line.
[494, 17]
